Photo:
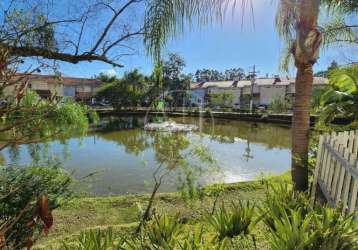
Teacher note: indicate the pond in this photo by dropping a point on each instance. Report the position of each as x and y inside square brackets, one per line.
[122, 159]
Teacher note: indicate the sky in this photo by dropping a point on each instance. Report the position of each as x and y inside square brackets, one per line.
[231, 44]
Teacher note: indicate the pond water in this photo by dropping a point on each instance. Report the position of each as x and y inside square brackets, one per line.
[122, 160]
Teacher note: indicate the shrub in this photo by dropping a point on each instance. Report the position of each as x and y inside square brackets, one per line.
[19, 192]
[281, 104]
[238, 220]
[333, 230]
[280, 199]
[293, 224]
[195, 240]
[163, 232]
[291, 231]
[95, 240]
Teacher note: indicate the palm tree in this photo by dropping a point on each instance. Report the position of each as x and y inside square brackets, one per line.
[297, 23]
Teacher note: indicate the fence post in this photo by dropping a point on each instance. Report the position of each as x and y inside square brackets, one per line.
[317, 169]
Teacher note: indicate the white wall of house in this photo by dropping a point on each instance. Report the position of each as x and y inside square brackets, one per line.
[55, 88]
[69, 91]
[198, 96]
[270, 93]
[246, 90]
[265, 90]
[84, 88]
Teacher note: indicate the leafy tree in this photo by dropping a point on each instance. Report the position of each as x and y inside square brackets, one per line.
[173, 67]
[176, 84]
[205, 75]
[222, 99]
[130, 91]
[334, 65]
[341, 97]
[324, 73]
[103, 77]
[234, 74]
[37, 120]
[172, 151]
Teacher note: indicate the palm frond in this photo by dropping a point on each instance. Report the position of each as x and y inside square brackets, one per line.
[345, 78]
[167, 18]
[286, 58]
[341, 98]
[344, 6]
[285, 19]
[336, 30]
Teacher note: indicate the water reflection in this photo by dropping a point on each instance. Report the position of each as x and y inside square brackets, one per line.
[125, 159]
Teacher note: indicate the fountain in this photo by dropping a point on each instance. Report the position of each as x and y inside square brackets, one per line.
[170, 126]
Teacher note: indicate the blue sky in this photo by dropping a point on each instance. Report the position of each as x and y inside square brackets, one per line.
[219, 47]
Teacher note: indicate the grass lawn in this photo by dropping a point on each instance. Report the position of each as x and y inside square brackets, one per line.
[122, 212]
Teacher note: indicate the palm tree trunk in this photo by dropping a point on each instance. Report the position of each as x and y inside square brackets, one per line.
[305, 51]
[301, 126]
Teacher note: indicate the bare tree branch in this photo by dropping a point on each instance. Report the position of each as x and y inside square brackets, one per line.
[66, 57]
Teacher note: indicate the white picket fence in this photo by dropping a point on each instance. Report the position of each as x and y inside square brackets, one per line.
[336, 170]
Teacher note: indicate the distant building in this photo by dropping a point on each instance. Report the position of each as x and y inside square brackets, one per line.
[46, 86]
[80, 89]
[265, 90]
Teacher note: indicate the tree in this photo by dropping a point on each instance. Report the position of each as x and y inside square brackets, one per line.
[39, 29]
[341, 97]
[106, 78]
[173, 67]
[324, 73]
[297, 23]
[207, 75]
[176, 84]
[235, 74]
[334, 65]
[26, 118]
[130, 91]
[223, 99]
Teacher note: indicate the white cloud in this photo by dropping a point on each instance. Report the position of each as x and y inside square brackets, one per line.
[109, 72]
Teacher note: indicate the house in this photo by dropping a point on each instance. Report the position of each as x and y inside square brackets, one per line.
[200, 92]
[47, 86]
[264, 90]
[44, 85]
[80, 89]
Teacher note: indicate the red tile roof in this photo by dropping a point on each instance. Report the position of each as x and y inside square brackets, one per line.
[71, 81]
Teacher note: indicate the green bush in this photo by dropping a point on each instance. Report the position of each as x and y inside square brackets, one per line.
[19, 189]
[195, 240]
[280, 199]
[333, 230]
[96, 240]
[235, 221]
[291, 231]
[294, 224]
[163, 232]
[281, 104]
